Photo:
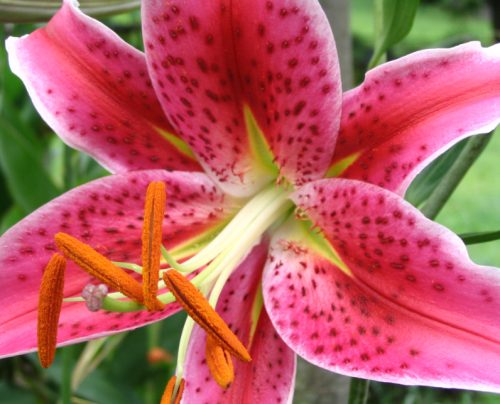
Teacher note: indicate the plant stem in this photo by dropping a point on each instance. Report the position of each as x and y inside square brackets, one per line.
[153, 331]
[66, 370]
[452, 178]
[359, 391]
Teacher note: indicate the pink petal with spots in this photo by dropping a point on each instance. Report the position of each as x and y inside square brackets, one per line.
[269, 377]
[411, 110]
[94, 91]
[415, 309]
[211, 60]
[106, 214]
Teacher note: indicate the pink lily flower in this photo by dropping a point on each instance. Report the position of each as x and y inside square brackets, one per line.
[285, 193]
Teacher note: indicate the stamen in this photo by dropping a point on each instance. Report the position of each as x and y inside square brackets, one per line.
[94, 296]
[168, 395]
[49, 308]
[151, 243]
[200, 311]
[99, 266]
[219, 363]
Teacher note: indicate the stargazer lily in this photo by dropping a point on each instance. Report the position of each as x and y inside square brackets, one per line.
[283, 202]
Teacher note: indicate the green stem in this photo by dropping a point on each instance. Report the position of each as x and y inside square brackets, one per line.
[359, 391]
[66, 370]
[452, 178]
[154, 331]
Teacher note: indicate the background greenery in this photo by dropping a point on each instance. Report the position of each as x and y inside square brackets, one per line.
[35, 166]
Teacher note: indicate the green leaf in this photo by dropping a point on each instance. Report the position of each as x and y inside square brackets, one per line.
[34, 10]
[10, 218]
[425, 182]
[480, 237]
[27, 180]
[394, 19]
[470, 153]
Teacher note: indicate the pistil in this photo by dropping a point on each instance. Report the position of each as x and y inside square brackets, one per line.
[151, 243]
[94, 296]
[49, 308]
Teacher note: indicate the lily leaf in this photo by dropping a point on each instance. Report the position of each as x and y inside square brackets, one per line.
[34, 10]
[27, 180]
[480, 237]
[395, 19]
[425, 182]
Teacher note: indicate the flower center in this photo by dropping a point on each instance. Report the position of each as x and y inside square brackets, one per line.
[195, 284]
[220, 256]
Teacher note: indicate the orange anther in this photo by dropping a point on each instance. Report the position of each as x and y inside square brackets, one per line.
[168, 394]
[99, 266]
[200, 311]
[49, 308]
[219, 363]
[151, 243]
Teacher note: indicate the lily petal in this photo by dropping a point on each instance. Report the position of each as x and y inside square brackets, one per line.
[401, 302]
[107, 215]
[412, 109]
[94, 91]
[222, 70]
[269, 377]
